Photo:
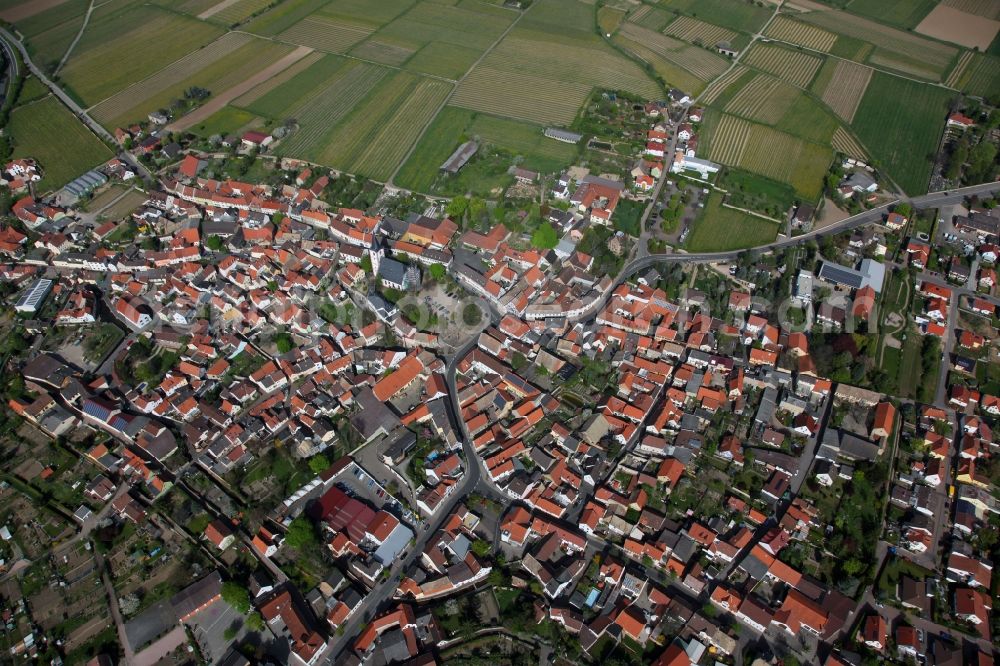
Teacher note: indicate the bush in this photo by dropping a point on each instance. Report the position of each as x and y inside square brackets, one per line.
[236, 596]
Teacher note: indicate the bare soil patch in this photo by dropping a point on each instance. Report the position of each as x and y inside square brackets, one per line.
[953, 25]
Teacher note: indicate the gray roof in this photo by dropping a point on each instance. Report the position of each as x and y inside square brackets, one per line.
[392, 270]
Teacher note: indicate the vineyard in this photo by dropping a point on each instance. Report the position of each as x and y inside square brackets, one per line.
[257, 92]
[440, 59]
[650, 17]
[803, 34]
[793, 66]
[319, 113]
[717, 87]
[546, 82]
[130, 31]
[232, 59]
[325, 35]
[765, 99]
[846, 88]
[705, 65]
[979, 74]
[767, 152]
[383, 52]
[844, 143]
[692, 30]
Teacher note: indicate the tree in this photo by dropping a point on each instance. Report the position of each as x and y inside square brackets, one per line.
[437, 271]
[236, 596]
[457, 207]
[255, 622]
[481, 548]
[545, 237]
[318, 463]
[214, 243]
[300, 533]
[128, 604]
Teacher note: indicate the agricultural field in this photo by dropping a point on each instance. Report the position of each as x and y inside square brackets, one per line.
[531, 78]
[233, 13]
[283, 16]
[766, 152]
[441, 59]
[803, 34]
[986, 8]
[131, 30]
[672, 74]
[226, 120]
[262, 89]
[277, 97]
[733, 80]
[733, 14]
[51, 134]
[897, 49]
[228, 61]
[765, 99]
[473, 26]
[902, 136]
[718, 228]
[326, 34]
[952, 25]
[376, 132]
[695, 31]
[700, 63]
[793, 66]
[844, 142]
[49, 33]
[650, 17]
[977, 74]
[903, 14]
[453, 125]
[841, 85]
[381, 52]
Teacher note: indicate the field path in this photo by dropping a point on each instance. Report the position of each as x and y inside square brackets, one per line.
[69, 50]
[225, 97]
[447, 98]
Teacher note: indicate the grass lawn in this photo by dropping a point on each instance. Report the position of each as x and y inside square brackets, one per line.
[757, 192]
[909, 364]
[49, 133]
[718, 229]
[902, 136]
[101, 341]
[225, 121]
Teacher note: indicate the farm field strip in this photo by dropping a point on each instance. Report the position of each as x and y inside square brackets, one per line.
[650, 17]
[27, 9]
[934, 55]
[986, 8]
[286, 96]
[956, 74]
[796, 32]
[216, 102]
[538, 99]
[665, 69]
[846, 88]
[700, 62]
[239, 11]
[793, 66]
[262, 89]
[325, 35]
[717, 87]
[388, 148]
[982, 76]
[729, 141]
[169, 75]
[692, 30]
[902, 64]
[319, 113]
[382, 52]
[764, 99]
[845, 143]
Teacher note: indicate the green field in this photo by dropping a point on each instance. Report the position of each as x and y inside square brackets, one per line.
[443, 59]
[49, 33]
[46, 131]
[905, 14]
[718, 229]
[226, 120]
[283, 16]
[902, 135]
[453, 126]
[278, 102]
[733, 14]
[981, 76]
[132, 30]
